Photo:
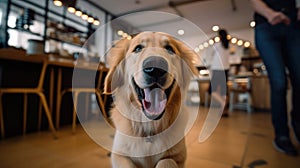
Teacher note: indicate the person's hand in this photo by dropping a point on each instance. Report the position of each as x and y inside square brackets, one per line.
[279, 17]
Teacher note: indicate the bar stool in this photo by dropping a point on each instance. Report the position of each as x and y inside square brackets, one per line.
[240, 86]
[97, 90]
[38, 90]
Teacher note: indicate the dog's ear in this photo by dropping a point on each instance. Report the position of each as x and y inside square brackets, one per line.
[188, 63]
[115, 57]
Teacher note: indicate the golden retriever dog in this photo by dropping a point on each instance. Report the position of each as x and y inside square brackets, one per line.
[148, 78]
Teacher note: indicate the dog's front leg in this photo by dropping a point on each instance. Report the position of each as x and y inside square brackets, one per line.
[166, 163]
[118, 161]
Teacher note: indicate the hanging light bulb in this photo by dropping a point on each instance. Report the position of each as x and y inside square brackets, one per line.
[120, 32]
[96, 22]
[78, 13]
[57, 3]
[84, 16]
[90, 19]
[71, 9]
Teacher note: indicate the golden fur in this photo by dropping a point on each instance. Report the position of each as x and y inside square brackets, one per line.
[140, 141]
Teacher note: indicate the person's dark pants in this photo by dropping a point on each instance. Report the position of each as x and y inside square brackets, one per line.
[279, 47]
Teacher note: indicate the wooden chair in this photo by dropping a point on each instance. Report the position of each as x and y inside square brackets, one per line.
[97, 90]
[38, 90]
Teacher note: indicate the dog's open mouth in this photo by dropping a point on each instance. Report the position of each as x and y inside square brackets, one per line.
[153, 99]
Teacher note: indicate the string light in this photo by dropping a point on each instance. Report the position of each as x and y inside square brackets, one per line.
[247, 44]
[96, 22]
[120, 32]
[78, 13]
[71, 9]
[215, 28]
[180, 32]
[84, 16]
[252, 24]
[240, 42]
[90, 19]
[57, 3]
[233, 40]
[217, 39]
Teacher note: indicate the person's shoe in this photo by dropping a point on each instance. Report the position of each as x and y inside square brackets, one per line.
[283, 144]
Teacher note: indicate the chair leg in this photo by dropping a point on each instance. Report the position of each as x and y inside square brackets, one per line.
[1, 118]
[40, 116]
[74, 111]
[102, 106]
[249, 103]
[86, 111]
[58, 104]
[206, 99]
[231, 98]
[25, 113]
[48, 113]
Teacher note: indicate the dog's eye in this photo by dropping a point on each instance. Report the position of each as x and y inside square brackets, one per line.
[138, 48]
[170, 49]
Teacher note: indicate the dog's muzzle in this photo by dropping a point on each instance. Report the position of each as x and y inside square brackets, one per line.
[153, 97]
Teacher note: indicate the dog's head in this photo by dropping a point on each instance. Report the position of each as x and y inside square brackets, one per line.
[152, 67]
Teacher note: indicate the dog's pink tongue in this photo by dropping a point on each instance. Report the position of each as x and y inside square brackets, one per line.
[155, 101]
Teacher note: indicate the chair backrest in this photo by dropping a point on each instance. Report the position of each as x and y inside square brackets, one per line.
[12, 58]
[241, 83]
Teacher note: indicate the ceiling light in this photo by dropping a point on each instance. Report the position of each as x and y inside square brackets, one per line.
[71, 9]
[57, 3]
[124, 35]
[240, 42]
[120, 32]
[90, 19]
[215, 28]
[252, 24]
[217, 39]
[233, 40]
[84, 16]
[96, 22]
[201, 47]
[211, 41]
[129, 37]
[247, 44]
[205, 44]
[180, 32]
[78, 13]
[228, 37]
[196, 49]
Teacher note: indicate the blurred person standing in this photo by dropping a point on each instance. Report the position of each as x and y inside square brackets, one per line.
[219, 67]
[277, 38]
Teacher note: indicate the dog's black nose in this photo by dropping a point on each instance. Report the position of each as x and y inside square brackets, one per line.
[155, 66]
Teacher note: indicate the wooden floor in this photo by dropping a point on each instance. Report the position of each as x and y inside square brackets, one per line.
[242, 140]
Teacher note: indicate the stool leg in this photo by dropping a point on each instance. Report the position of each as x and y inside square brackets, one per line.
[1, 118]
[40, 116]
[206, 99]
[249, 102]
[48, 113]
[74, 111]
[25, 114]
[231, 97]
[87, 106]
[102, 106]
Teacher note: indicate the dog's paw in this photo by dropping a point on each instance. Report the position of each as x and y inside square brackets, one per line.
[166, 163]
